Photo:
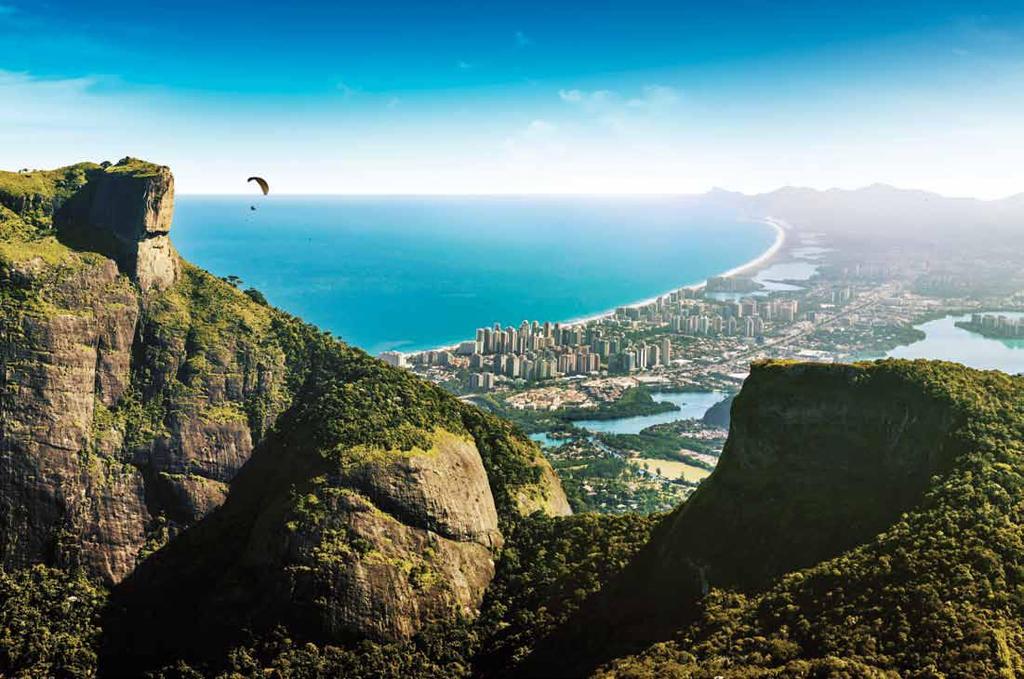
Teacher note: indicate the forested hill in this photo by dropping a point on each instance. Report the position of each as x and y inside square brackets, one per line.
[864, 520]
[193, 483]
[153, 415]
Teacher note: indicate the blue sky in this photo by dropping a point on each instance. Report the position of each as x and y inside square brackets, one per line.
[521, 97]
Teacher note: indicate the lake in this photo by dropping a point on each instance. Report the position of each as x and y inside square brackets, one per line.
[801, 267]
[943, 340]
[692, 404]
[411, 273]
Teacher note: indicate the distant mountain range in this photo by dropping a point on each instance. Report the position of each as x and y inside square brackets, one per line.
[881, 211]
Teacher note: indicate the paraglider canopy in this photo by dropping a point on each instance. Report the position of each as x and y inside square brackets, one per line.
[264, 186]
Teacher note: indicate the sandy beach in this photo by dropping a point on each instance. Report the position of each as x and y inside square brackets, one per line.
[781, 229]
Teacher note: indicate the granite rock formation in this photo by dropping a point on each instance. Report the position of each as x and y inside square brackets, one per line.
[819, 459]
[135, 388]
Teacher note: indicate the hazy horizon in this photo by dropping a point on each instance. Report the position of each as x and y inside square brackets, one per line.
[553, 194]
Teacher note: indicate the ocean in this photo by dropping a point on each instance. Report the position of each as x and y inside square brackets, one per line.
[411, 273]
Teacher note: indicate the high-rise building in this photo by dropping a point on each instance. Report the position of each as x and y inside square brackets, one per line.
[641, 357]
[567, 363]
[481, 381]
[513, 367]
[468, 348]
[787, 310]
[393, 358]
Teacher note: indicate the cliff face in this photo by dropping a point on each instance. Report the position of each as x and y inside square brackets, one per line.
[399, 538]
[820, 459]
[135, 387]
[66, 493]
[104, 431]
[125, 212]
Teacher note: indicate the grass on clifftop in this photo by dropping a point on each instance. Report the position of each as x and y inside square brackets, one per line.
[36, 195]
[136, 167]
[46, 184]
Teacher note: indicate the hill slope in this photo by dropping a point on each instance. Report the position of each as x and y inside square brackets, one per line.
[262, 498]
[135, 389]
[864, 517]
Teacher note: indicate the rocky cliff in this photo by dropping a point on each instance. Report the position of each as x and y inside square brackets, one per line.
[820, 460]
[126, 213]
[134, 388]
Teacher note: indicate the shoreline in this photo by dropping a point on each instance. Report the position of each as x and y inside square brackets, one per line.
[780, 239]
[781, 229]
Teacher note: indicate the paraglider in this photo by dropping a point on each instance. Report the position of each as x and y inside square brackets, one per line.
[264, 186]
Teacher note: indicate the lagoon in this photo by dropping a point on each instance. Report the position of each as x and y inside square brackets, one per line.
[692, 404]
[943, 340]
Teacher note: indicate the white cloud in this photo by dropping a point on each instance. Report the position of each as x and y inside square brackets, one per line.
[534, 143]
[539, 128]
[30, 100]
[652, 98]
[523, 40]
[623, 115]
[464, 65]
[655, 98]
[593, 101]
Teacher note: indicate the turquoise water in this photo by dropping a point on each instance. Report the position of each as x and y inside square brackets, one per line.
[692, 404]
[412, 273]
[943, 340]
[546, 441]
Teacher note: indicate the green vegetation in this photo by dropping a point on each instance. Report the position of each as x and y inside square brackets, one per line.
[936, 593]
[670, 441]
[224, 335]
[35, 195]
[917, 571]
[529, 421]
[875, 340]
[596, 479]
[134, 167]
[634, 402]
[548, 567]
[49, 623]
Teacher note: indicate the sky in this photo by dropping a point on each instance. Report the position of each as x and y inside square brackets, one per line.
[492, 97]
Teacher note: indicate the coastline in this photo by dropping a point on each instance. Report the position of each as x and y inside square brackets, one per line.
[781, 228]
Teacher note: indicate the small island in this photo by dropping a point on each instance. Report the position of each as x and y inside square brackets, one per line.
[994, 326]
